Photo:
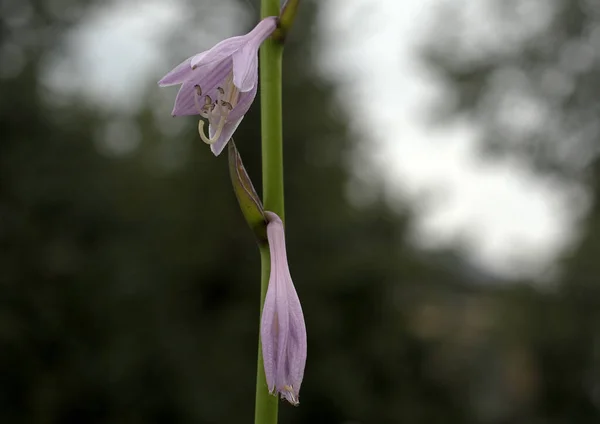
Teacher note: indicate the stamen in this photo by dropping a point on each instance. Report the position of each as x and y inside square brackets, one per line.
[228, 107]
[208, 108]
[202, 111]
[220, 93]
[233, 94]
[227, 98]
[215, 137]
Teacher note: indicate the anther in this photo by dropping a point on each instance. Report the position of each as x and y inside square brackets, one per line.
[198, 90]
[201, 110]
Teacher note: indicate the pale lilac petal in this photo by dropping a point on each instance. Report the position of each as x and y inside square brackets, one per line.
[283, 332]
[228, 130]
[184, 102]
[181, 72]
[245, 60]
[221, 51]
[243, 104]
[283, 320]
[178, 75]
[197, 58]
[268, 332]
[297, 339]
[245, 68]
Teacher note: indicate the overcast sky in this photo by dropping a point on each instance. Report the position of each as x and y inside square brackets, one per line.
[512, 222]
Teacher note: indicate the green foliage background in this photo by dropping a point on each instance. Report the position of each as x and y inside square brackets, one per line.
[129, 289]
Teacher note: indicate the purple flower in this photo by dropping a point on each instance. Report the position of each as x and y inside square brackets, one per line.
[282, 330]
[220, 84]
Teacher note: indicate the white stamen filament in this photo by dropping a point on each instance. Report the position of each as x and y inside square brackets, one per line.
[215, 137]
[201, 111]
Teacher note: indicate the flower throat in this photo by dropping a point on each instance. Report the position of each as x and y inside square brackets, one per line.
[216, 111]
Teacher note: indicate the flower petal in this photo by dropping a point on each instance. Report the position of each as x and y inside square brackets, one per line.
[245, 59]
[245, 68]
[184, 102]
[268, 332]
[282, 305]
[228, 130]
[297, 340]
[243, 104]
[179, 74]
[221, 51]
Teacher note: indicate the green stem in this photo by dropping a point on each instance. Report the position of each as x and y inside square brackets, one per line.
[272, 147]
[272, 167]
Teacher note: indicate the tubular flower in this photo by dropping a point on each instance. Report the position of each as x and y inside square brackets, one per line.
[220, 84]
[283, 332]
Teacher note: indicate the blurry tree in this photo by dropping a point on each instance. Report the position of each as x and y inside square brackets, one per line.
[528, 73]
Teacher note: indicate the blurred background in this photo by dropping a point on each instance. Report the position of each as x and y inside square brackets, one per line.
[443, 219]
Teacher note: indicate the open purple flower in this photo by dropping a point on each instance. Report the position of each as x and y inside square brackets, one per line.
[220, 84]
[282, 331]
